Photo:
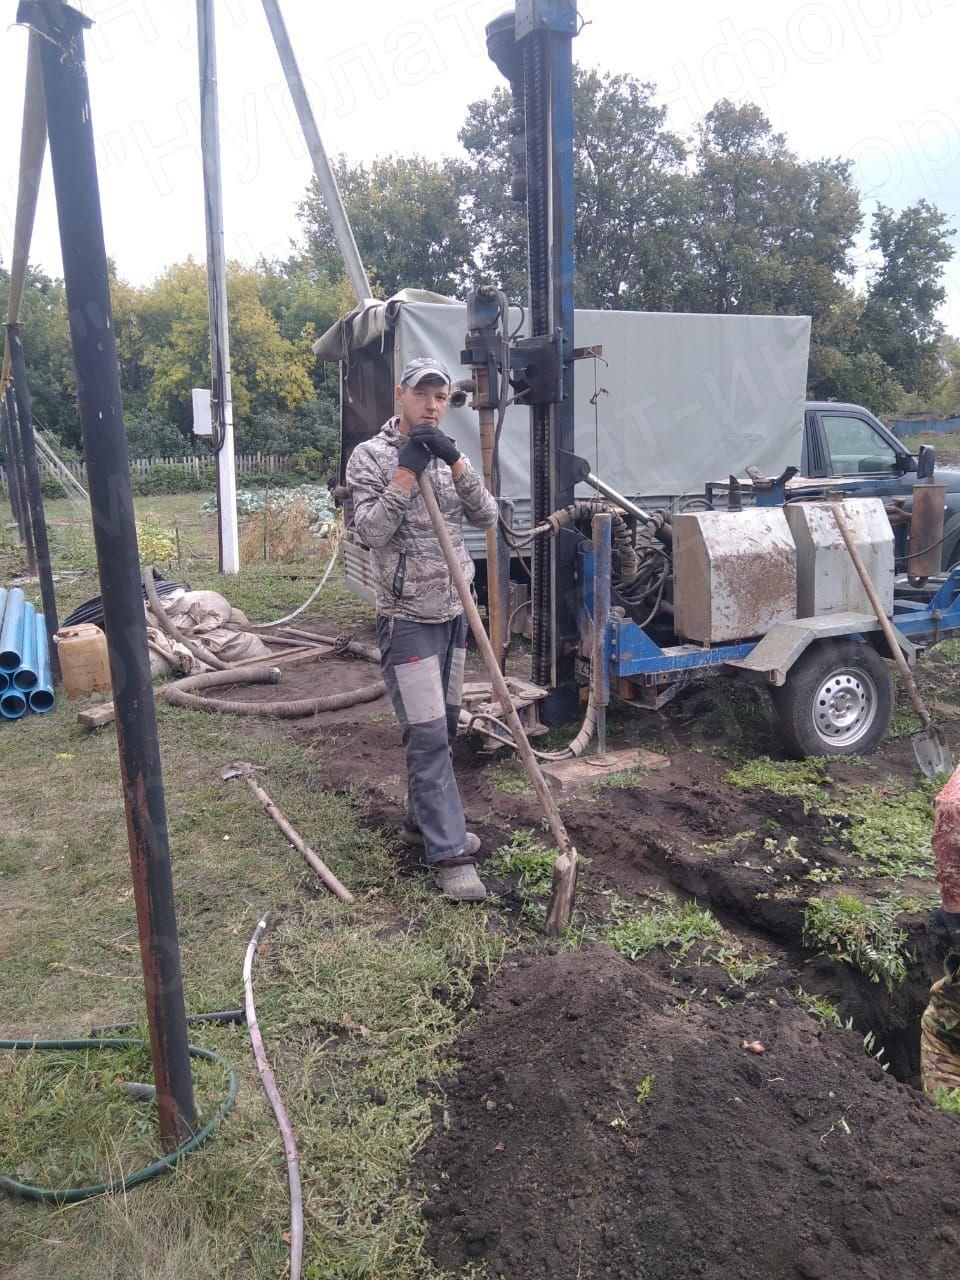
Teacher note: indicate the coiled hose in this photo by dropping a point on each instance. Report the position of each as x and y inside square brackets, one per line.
[180, 694]
[73, 1195]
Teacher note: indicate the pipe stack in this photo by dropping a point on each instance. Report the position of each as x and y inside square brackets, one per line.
[25, 679]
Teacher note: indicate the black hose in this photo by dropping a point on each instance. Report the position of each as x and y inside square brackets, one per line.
[201, 653]
[179, 695]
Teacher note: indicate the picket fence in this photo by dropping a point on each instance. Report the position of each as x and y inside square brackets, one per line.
[247, 464]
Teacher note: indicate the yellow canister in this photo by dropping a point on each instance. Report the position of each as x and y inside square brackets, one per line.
[83, 659]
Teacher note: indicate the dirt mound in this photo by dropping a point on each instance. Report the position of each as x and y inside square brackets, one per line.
[804, 1161]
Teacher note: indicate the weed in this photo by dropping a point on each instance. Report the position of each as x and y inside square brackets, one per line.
[645, 1089]
[742, 970]
[861, 934]
[875, 1049]
[620, 779]
[527, 858]
[674, 927]
[803, 778]
[947, 1099]
[511, 780]
[824, 1010]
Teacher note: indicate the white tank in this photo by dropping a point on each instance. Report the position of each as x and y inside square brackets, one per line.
[827, 581]
[735, 573]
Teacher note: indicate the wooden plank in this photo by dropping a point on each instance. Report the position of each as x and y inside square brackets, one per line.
[96, 717]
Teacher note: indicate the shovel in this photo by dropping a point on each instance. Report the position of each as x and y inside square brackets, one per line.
[560, 906]
[930, 747]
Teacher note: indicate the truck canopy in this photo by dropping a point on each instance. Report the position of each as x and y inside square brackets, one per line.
[676, 399]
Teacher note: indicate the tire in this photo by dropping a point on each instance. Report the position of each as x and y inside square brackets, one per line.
[837, 701]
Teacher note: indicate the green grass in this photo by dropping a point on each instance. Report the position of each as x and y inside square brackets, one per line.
[510, 778]
[819, 1007]
[862, 934]
[672, 926]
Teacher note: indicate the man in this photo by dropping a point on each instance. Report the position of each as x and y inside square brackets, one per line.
[421, 627]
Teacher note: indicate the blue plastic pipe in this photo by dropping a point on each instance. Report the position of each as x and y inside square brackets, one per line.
[4, 682]
[11, 632]
[25, 677]
[3, 604]
[13, 704]
[41, 696]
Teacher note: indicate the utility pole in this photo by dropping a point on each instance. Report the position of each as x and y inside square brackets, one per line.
[221, 396]
[87, 282]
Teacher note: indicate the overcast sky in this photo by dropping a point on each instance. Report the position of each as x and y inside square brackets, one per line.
[870, 80]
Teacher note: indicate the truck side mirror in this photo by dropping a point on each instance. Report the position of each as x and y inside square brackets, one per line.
[926, 461]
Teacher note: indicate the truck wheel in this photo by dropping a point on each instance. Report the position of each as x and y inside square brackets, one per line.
[837, 701]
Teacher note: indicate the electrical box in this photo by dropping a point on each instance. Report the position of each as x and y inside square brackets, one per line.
[202, 416]
[827, 581]
[735, 573]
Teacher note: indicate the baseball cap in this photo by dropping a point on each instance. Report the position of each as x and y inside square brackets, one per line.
[421, 367]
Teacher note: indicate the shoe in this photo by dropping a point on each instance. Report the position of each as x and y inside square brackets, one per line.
[461, 883]
[413, 835]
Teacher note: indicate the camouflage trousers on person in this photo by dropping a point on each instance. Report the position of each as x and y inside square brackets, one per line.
[940, 1032]
[422, 666]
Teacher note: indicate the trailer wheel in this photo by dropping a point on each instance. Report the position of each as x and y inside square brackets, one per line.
[837, 701]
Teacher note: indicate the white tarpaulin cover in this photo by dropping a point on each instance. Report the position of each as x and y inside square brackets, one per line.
[676, 401]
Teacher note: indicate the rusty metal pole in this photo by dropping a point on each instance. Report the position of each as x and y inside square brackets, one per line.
[13, 480]
[34, 495]
[105, 447]
[16, 444]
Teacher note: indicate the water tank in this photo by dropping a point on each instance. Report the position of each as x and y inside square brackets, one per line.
[827, 581]
[735, 573]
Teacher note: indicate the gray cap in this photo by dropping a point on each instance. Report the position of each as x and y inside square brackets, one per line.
[421, 367]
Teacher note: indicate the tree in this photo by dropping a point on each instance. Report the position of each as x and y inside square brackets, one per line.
[629, 182]
[900, 316]
[408, 219]
[48, 354]
[268, 371]
[769, 233]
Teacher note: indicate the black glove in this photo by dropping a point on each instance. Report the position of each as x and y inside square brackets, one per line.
[440, 446]
[413, 457]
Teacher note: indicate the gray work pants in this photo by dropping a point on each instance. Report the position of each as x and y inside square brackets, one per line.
[422, 665]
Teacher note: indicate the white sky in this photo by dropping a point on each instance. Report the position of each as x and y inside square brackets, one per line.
[870, 80]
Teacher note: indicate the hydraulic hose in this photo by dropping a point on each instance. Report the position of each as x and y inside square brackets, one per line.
[179, 694]
[166, 623]
[73, 1195]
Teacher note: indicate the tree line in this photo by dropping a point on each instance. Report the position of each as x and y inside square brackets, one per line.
[730, 221]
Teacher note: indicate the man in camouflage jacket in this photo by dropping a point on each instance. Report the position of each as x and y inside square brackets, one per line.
[421, 627]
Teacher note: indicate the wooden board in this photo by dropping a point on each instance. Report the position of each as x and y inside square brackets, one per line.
[567, 775]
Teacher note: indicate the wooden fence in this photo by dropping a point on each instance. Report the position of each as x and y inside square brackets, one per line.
[247, 464]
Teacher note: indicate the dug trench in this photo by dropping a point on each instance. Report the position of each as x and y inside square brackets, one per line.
[659, 1118]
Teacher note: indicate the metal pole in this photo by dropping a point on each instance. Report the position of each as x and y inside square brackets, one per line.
[105, 447]
[321, 166]
[34, 496]
[221, 395]
[26, 530]
[13, 479]
[599, 675]
[631, 508]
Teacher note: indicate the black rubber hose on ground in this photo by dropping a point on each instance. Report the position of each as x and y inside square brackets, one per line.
[73, 1195]
[180, 694]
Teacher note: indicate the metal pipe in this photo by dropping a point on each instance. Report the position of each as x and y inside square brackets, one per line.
[41, 697]
[321, 165]
[25, 677]
[86, 277]
[602, 578]
[221, 393]
[11, 631]
[601, 486]
[33, 146]
[13, 478]
[26, 529]
[38, 519]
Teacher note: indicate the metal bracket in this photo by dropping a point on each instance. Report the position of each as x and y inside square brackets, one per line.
[538, 366]
[546, 15]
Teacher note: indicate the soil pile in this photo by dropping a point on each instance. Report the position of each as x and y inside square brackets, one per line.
[805, 1160]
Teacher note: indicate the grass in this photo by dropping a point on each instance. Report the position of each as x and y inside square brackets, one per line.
[672, 926]
[359, 1006]
[819, 1007]
[510, 778]
[862, 934]
[887, 825]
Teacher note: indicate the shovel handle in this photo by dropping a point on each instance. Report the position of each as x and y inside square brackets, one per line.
[885, 625]
[565, 868]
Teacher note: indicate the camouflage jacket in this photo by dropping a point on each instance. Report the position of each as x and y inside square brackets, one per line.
[409, 570]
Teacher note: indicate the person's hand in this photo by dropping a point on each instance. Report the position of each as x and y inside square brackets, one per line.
[413, 457]
[440, 446]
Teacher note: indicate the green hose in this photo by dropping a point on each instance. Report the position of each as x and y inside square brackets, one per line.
[73, 1195]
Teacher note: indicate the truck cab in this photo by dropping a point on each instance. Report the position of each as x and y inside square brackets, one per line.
[846, 443]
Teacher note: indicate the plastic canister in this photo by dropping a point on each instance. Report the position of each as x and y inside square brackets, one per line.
[83, 659]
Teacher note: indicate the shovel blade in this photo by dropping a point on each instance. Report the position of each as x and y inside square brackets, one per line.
[933, 754]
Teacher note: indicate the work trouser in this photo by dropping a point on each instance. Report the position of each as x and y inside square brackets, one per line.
[422, 665]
